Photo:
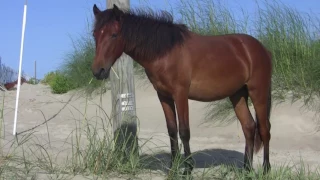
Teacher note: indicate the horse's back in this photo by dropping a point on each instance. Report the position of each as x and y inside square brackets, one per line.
[223, 64]
[241, 47]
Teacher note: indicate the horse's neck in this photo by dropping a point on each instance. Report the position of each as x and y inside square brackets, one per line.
[137, 59]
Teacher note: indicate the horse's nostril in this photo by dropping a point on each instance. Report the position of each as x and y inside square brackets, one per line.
[101, 73]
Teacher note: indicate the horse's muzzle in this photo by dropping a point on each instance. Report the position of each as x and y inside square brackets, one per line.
[102, 74]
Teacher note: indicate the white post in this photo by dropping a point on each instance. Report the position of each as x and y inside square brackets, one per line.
[20, 67]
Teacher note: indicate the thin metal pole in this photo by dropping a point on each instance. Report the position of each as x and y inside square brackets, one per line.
[20, 67]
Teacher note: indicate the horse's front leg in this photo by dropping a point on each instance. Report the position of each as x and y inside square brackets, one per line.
[170, 115]
[181, 100]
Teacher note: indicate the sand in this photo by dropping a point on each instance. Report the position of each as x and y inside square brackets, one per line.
[292, 135]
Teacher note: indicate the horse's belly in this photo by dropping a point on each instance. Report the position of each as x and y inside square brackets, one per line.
[214, 90]
[206, 96]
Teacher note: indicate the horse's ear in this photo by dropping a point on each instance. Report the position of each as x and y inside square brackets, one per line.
[96, 10]
[115, 7]
[117, 12]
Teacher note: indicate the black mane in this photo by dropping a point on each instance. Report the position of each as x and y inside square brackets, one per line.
[148, 34]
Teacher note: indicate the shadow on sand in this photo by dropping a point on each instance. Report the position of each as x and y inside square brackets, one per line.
[203, 159]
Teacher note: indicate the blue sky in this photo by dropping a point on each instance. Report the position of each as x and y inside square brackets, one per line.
[51, 24]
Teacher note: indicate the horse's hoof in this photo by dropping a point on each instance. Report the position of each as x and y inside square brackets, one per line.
[266, 168]
[187, 172]
[247, 168]
[189, 164]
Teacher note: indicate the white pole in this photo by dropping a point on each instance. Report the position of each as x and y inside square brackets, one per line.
[20, 67]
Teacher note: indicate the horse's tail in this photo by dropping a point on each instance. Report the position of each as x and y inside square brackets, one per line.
[257, 138]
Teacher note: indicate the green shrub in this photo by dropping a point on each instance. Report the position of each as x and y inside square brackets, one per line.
[33, 81]
[60, 84]
[48, 78]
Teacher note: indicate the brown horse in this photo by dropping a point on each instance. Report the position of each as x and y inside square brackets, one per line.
[184, 65]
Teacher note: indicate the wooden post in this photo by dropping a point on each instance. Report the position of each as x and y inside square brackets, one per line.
[35, 72]
[123, 97]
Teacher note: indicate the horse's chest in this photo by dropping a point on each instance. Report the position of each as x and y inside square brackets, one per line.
[159, 84]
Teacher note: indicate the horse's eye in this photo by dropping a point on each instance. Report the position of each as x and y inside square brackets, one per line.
[114, 35]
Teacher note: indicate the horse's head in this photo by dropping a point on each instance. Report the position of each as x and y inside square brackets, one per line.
[109, 43]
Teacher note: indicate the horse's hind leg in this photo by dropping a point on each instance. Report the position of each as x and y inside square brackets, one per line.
[181, 100]
[261, 99]
[240, 104]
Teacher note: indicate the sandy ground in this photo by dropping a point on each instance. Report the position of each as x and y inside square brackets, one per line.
[293, 135]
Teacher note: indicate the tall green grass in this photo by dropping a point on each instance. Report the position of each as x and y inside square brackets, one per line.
[291, 37]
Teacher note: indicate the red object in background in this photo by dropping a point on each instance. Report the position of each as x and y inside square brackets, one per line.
[11, 85]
